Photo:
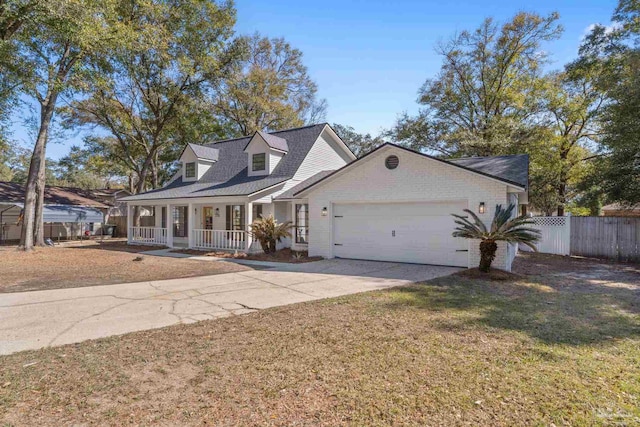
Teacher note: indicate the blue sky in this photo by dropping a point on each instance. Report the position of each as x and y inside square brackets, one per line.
[370, 57]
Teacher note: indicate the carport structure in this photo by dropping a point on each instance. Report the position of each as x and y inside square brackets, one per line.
[61, 221]
[67, 212]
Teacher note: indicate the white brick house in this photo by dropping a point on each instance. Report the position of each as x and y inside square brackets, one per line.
[393, 204]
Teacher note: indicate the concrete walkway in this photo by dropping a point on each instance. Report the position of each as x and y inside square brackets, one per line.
[31, 320]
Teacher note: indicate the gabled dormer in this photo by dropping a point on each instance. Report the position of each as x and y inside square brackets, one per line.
[196, 160]
[264, 152]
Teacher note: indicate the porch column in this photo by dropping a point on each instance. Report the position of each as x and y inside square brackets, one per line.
[129, 224]
[190, 225]
[248, 212]
[169, 222]
[157, 216]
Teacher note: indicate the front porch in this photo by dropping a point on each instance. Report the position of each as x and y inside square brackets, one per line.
[206, 226]
[222, 224]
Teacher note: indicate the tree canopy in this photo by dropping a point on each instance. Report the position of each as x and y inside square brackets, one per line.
[267, 88]
[148, 95]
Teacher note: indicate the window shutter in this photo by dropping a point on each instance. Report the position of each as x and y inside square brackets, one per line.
[228, 217]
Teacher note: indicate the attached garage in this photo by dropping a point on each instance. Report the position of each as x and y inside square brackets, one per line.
[401, 232]
[395, 204]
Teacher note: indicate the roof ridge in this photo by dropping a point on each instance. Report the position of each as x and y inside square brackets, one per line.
[268, 133]
[484, 157]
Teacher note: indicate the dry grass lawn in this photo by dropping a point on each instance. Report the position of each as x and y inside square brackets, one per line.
[95, 264]
[283, 255]
[557, 347]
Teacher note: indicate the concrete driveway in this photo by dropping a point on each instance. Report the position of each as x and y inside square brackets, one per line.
[31, 320]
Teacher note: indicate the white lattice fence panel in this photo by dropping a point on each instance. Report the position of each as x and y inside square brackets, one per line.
[556, 234]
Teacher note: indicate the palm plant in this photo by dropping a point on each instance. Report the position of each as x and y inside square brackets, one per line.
[503, 228]
[268, 231]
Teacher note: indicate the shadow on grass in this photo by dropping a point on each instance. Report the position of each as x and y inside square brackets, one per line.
[119, 246]
[560, 309]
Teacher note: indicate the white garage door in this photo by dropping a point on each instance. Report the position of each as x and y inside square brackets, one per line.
[401, 232]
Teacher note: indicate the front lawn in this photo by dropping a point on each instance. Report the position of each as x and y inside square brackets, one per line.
[95, 263]
[559, 346]
[283, 255]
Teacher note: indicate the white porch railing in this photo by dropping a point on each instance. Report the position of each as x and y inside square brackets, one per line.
[148, 235]
[220, 239]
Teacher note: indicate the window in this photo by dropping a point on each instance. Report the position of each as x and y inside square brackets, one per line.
[235, 217]
[259, 162]
[180, 221]
[257, 211]
[302, 223]
[190, 170]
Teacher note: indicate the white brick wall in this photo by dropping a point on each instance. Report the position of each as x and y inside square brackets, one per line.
[417, 178]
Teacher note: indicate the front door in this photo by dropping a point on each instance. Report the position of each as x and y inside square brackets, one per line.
[207, 223]
[207, 218]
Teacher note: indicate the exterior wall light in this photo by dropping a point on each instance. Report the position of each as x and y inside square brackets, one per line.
[217, 212]
[324, 211]
[481, 208]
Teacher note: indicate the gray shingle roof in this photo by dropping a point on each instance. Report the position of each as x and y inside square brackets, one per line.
[11, 192]
[275, 141]
[204, 152]
[228, 176]
[290, 193]
[511, 168]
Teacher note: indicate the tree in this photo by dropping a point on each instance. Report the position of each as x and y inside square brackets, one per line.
[492, 98]
[487, 91]
[504, 228]
[149, 95]
[620, 169]
[567, 133]
[617, 51]
[268, 232]
[360, 144]
[13, 16]
[267, 89]
[84, 169]
[51, 52]
[14, 162]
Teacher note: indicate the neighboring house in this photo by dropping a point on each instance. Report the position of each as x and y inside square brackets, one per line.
[393, 204]
[68, 212]
[616, 209]
[117, 212]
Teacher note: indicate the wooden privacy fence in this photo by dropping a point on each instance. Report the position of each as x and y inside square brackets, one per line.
[606, 237]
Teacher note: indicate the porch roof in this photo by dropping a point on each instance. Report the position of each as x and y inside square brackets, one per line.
[177, 189]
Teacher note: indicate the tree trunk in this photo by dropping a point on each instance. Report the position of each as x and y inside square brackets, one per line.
[38, 159]
[564, 178]
[562, 193]
[38, 233]
[264, 244]
[154, 171]
[488, 250]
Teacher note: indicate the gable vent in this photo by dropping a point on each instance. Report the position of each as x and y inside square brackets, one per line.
[391, 162]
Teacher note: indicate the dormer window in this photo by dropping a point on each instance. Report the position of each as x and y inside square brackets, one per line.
[190, 170]
[259, 162]
[196, 160]
[264, 152]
